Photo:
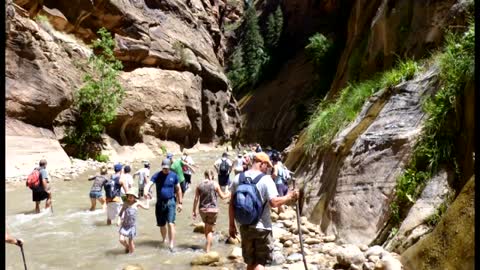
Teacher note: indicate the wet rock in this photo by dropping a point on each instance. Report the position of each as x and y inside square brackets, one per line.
[199, 227]
[311, 234]
[374, 251]
[278, 258]
[233, 241]
[288, 243]
[295, 257]
[369, 266]
[206, 259]
[133, 267]
[363, 248]
[350, 254]
[388, 262]
[312, 241]
[236, 253]
[288, 223]
[274, 216]
[329, 238]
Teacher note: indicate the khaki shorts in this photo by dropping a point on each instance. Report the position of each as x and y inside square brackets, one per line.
[209, 217]
[257, 245]
[113, 209]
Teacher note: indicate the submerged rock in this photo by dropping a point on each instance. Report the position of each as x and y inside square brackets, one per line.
[206, 259]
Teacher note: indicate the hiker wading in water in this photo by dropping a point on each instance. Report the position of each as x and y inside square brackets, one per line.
[223, 166]
[96, 190]
[206, 193]
[256, 224]
[128, 230]
[167, 186]
[42, 190]
[112, 193]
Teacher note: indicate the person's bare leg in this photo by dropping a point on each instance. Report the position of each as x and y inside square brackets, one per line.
[104, 204]
[163, 232]
[37, 207]
[93, 204]
[208, 237]
[255, 267]
[131, 245]
[171, 234]
[48, 203]
[123, 241]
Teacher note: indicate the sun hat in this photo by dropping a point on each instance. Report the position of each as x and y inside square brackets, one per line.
[166, 163]
[169, 155]
[263, 157]
[133, 192]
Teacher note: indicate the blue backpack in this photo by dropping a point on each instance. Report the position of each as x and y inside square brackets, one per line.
[246, 200]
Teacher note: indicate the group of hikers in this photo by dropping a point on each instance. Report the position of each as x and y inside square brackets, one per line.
[260, 183]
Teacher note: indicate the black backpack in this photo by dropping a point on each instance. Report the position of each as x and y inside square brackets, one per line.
[110, 189]
[224, 168]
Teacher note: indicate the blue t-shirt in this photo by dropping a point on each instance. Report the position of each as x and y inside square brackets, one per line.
[165, 184]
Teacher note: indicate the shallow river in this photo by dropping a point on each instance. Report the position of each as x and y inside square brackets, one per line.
[75, 238]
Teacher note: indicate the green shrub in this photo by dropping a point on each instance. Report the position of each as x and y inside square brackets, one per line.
[164, 149]
[436, 145]
[97, 100]
[274, 27]
[102, 158]
[317, 49]
[332, 116]
[41, 18]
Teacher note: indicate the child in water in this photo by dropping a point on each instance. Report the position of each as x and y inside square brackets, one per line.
[128, 214]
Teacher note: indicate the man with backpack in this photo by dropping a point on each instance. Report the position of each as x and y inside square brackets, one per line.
[112, 194]
[37, 181]
[223, 166]
[143, 175]
[253, 194]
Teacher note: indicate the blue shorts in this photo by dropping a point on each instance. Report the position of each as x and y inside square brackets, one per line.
[95, 194]
[165, 211]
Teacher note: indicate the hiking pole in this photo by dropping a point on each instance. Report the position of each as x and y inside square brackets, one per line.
[300, 230]
[23, 256]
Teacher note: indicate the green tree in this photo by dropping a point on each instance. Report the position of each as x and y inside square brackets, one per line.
[274, 29]
[96, 102]
[236, 73]
[253, 47]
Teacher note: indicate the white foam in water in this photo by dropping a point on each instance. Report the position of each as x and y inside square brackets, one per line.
[25, 218]
[85, 213]
[39, 235]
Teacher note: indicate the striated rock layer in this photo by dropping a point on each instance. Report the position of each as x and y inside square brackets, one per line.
[172, 52]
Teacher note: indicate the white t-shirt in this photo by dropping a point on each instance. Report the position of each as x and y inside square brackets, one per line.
[267, 190]
[188, 160]
[128, 179]
[239, 164]
[143, 173]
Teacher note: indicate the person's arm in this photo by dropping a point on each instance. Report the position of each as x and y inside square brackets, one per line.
[195, 203]
[92, 177]
[123, 184]
[146, 189]
[215, 165]
[189, 166]
[145, 205]
[12, 240]
[121, 211]
[178, 191]
[275, 172]
[232, 229]
[220, 192]
[278, 201]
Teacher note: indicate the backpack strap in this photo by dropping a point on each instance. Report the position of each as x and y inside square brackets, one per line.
[241, 178]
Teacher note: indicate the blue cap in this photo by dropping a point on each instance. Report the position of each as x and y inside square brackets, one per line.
[169, 155]
[117, 167]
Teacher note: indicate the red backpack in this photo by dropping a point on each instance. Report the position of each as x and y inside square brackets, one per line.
[33, 179]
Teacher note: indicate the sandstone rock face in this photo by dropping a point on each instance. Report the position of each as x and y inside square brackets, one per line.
[172, 53]
[380, 30]
[39, 72]
[350, 192]
[450, 245]
[27, 144]
[433, 195]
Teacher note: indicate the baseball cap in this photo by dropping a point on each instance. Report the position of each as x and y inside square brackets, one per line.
[261, 156]
[118, 167]
[166, 163]
[169, 155]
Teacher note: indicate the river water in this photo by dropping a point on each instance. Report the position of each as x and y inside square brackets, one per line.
[75, 238]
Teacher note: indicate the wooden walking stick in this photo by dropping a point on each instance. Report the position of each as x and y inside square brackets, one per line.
[300, 230]
[23, 256]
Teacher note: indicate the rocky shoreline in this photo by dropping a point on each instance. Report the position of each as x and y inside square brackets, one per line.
[321, 251]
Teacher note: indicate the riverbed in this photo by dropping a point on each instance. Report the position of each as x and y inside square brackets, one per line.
[74, 238]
